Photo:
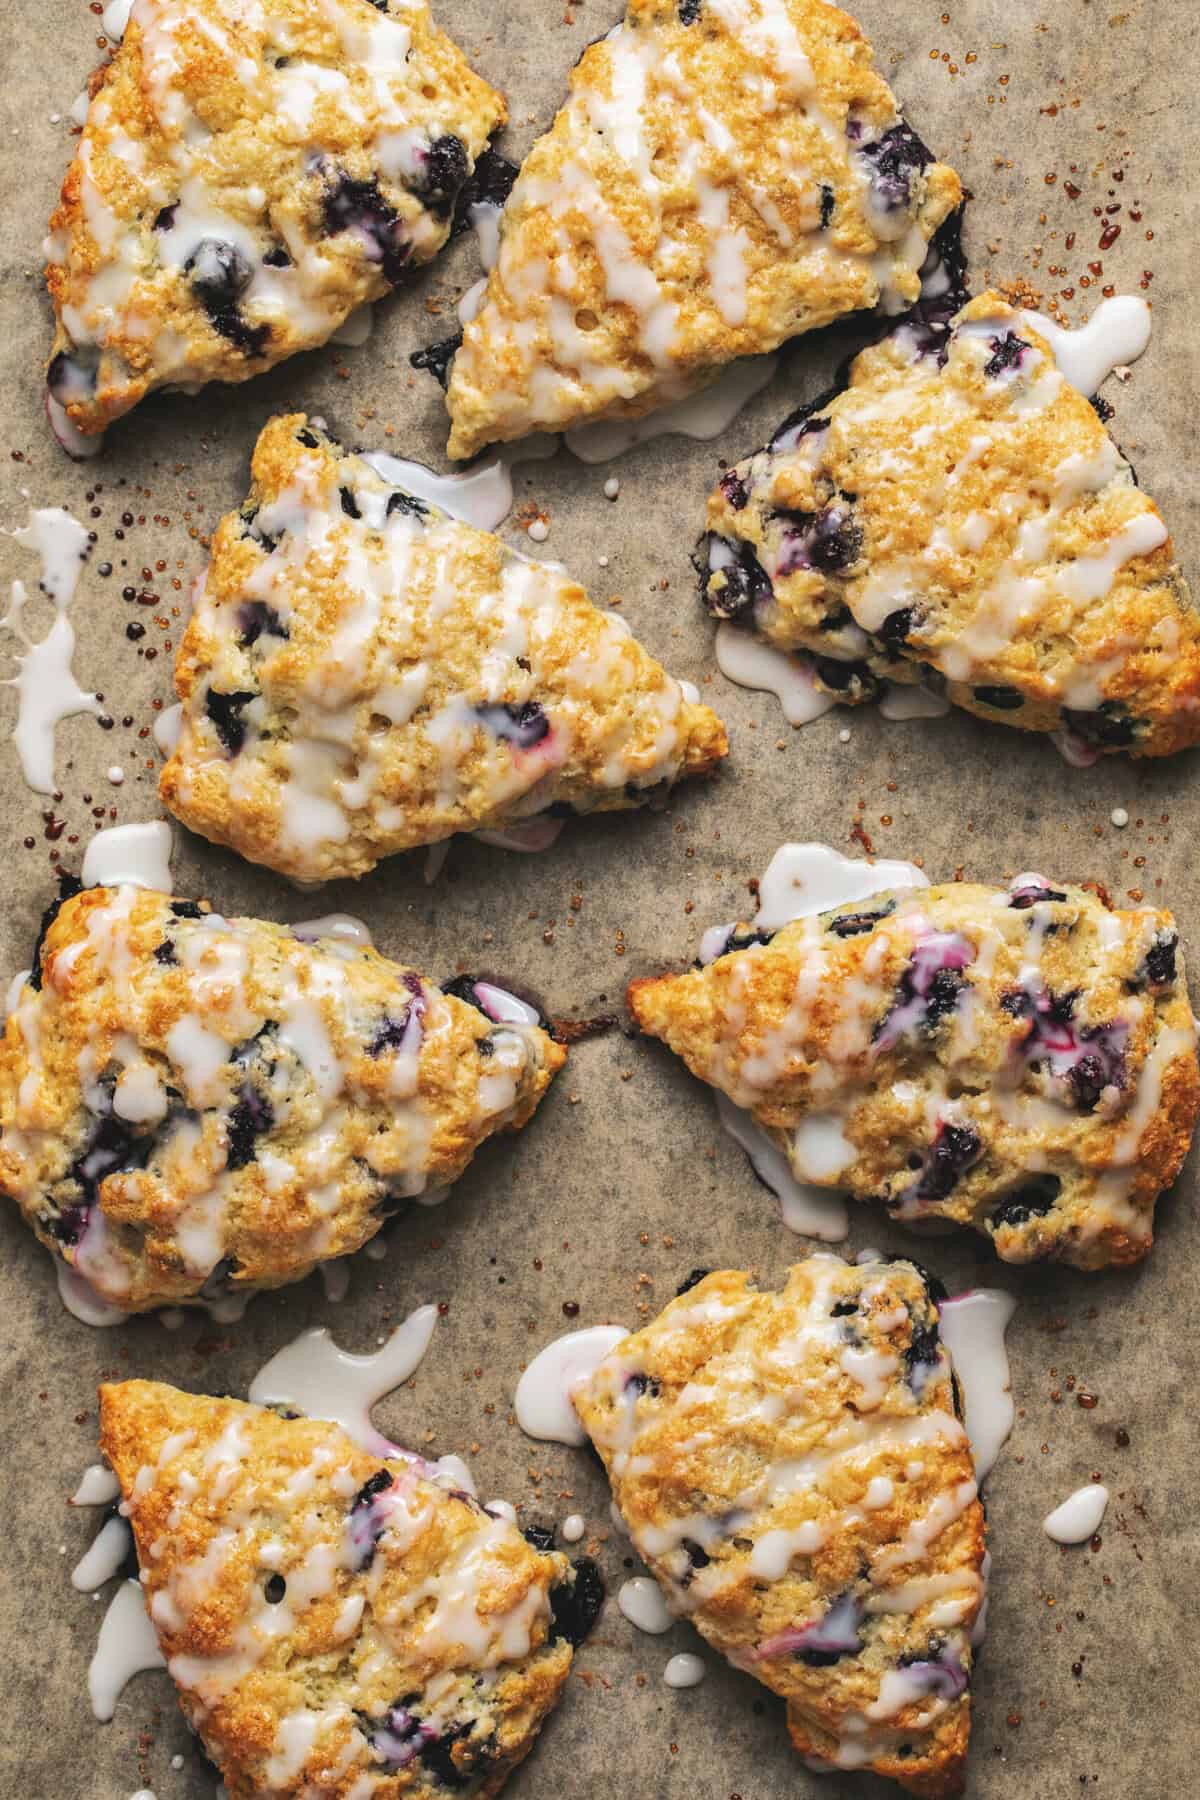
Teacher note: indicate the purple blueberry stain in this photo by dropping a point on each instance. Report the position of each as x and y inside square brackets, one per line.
[939, 1671]
[523, 726]
[397, 1737]
[929, 989]
[837, 1633]
[894, 159]
[1032, 893]
[734, 583]
[829, 541]
[1008, 353]
[367, 1520]
[733, 486]
[354, 205]
[1087, 1059]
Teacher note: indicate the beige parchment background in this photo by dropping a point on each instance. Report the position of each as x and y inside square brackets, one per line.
[624, 1184]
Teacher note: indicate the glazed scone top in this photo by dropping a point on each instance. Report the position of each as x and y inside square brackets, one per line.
[724, 175]
[1020, 1060]
[959, 513]
[197, 1106]
[250, 172]
[362, 674]
[336, 1623]
[790, 1466]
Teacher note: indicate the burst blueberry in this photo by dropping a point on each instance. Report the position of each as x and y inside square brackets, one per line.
[225, 713]
[575, 1604]
[522, 726]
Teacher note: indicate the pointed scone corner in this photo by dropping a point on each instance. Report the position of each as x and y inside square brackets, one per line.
[1019, 1060]
[193, 1108]
[725, 175]
[959, 516]
[336, 1624]
[246, 178]
[362, 675]
[791, 1468]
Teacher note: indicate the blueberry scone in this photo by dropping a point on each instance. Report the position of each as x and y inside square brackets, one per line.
[1020, 1060]
[194, 1107]
[362, 674]
[791, 1467]
[248, 175]
[339, 1627]
[959, 516]
[725, 175]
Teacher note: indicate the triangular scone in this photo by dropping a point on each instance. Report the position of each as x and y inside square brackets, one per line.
[958, 515]
[725, 175]
[362, 674]
[247, 176]
[1020, 1060]
[194, 1107]
[791, 1468]
[339, 1627]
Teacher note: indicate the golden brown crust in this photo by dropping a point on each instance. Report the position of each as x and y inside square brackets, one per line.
[194, 1107]
[790, 1466]
[338, 1624]
[710, 189]
[362, 675]
[1022, 1061]
[247, 177]
[960, 508]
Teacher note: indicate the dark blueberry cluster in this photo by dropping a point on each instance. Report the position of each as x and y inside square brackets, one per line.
[490, 184]
[521, 726]
[855, 681]
[392, 1029]
[924, 1351]
[225, 713]
[746, 583]
[250, 1117]
[111, 1146]
[1001, 699]
[639, 1384]
[929, 989]
[400, 502]
[350, 203]
[855, 924]
[68, 887]
[1008, 352]
[435, 359]
[689, 11]
[1032, 1200]
[1088, 1058]
[895, 158]
[575, 1604]
[367, 1520]
[220, 274]
[955, 1149]
[830, 540]
[1158, 968]
[1108, 727]
[256, 619]
[349, 503]
[444, 170]
[734, 489]
[898, 627]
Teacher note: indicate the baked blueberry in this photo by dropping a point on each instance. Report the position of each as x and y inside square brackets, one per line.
[225, 712]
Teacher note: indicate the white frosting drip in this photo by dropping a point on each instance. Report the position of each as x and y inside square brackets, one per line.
[98, 1486]
[750, 662]
[343, 926]
[972, 1327]
[1117, 333]
[702, 416]
[101, 1562]
[166, 728]
[46, 687]
[130, 855]
[81, 1299]
[314, 1377]
[543, 1396]
[901, 702]
[684, 1671]
[641, 1600]
[811, 1211]
[804, 879]
[483, 497]
[1078, 1517]
[127, 1644]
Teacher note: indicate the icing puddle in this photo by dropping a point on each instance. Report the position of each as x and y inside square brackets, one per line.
[543, 1398]
[973, 1326]
[46, 687]
[126, 1646]
[314, 1377]
[1079, 1516]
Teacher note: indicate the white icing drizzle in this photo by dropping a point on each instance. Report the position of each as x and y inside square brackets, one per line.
[701, 416]
[46, 687]
[641, 1600]
[81, 1299]
[167, 727]
[314, 1377]
[356, 327]
[573, 1528]
[901, 702]
[98, 1486]
[342, 926]
[115, 18]
[684, 1671]
[804, 879]
[1117, 333]
[16, 986]
[482, 497]
[811, 1211]
[1079, 1516]
[972, 1328]
[102, 1561]
[335, 1278]
[543, 1397]
[127, 1644]
[130, 856]
[751, 662]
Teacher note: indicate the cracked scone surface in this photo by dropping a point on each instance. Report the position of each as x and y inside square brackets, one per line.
[338, 1625]
[362, 675]
[790, 1466]
[195, 1107]
[1022, 1061]
[247, 177]
[724, 175]
[959, 515]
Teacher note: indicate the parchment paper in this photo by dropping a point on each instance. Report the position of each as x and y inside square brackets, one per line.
[623, 1183]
